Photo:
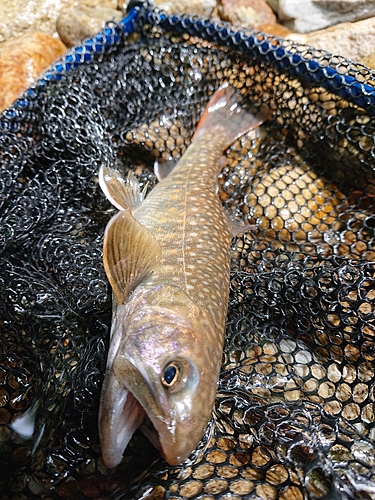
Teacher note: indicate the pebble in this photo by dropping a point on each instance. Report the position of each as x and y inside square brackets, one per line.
[22, 59]
[198, 7]
[312, 15]
[74, 24]
[354, 41]
[18, 17]
[250, 13]
[276, 29]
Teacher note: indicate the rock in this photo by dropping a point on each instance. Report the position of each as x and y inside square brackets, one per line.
[22, 59]
[275, 29]
[351, 40]
[308, 15]
[74, 24]
[19, 16]
[368, 61]
[199, 7]
[249, 13]
[274, 4]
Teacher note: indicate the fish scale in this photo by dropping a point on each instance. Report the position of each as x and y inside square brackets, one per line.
[186, 216]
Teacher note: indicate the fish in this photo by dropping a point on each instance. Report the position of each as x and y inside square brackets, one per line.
[167, 259]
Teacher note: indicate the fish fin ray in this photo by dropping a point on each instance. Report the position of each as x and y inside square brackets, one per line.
[224, 115]
[239, 226]
[162, 170]
[122, 192]
[130, 253]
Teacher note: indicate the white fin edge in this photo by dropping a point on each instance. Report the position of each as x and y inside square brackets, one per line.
[122, 193]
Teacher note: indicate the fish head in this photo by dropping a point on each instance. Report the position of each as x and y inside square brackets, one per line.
[165, 365]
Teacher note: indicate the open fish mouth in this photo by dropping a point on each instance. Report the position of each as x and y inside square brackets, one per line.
[118, 422]
[122, 413]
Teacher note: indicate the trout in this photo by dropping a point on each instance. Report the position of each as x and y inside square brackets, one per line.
[167, 258]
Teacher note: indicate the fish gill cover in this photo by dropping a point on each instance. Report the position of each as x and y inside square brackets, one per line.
[295, 409]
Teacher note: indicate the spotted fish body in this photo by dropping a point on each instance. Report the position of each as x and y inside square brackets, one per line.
[167, 259]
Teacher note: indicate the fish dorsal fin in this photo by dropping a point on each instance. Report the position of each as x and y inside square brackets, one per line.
[225, 116]
[130, 253]
[122, 193]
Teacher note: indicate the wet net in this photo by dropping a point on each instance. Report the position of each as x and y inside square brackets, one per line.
[295, 408]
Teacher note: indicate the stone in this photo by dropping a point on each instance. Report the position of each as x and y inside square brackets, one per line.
[19, 16]
[310, 15]
[249, 13]
[275, 29]
[22, 60]
[74, 24]
[368, 61]
[351, 40]
[198, 7]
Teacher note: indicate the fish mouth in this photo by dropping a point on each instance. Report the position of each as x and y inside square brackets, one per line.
[125, 406]
[120, 416]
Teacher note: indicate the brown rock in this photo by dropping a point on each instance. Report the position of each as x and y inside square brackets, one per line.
[351, 40]
[74, 24]
[251, 13]
[274, 29]
[22, 59]
[368, 61]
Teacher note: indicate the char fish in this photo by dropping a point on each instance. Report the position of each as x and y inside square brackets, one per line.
[167, 258]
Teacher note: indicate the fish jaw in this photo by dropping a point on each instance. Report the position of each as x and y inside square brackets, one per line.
[119, 417]
[178, 429]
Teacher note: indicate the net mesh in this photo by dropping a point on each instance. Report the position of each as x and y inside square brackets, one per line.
[295, 408]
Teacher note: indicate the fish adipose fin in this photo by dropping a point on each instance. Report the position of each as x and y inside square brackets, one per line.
[130, 253]
[122, 193]
[225, 116]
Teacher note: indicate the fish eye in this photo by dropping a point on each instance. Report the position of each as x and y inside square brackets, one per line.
[171, 374]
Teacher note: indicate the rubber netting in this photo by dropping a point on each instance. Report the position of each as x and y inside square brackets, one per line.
[295, 408]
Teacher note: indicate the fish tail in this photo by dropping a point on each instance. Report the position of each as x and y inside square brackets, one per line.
[224, 115]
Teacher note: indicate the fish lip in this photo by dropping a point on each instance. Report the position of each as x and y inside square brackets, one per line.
[120, 414]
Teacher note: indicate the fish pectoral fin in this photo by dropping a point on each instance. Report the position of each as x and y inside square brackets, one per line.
[130, 253]
[122, 193]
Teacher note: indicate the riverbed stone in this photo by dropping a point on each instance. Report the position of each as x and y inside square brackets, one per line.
[311, 15]
[250, 13]
[351, 40]
[19, 16]
[22, 60]
[74, 24]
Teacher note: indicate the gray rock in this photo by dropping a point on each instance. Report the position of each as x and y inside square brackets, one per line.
[351, 40]
[199, 7]
[74, 24]
[309, 15]
[19, 16]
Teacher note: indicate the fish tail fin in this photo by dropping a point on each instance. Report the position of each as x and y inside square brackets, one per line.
[224, 115]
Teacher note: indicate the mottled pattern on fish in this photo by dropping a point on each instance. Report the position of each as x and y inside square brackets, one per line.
[295, 407]
[185, 214]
